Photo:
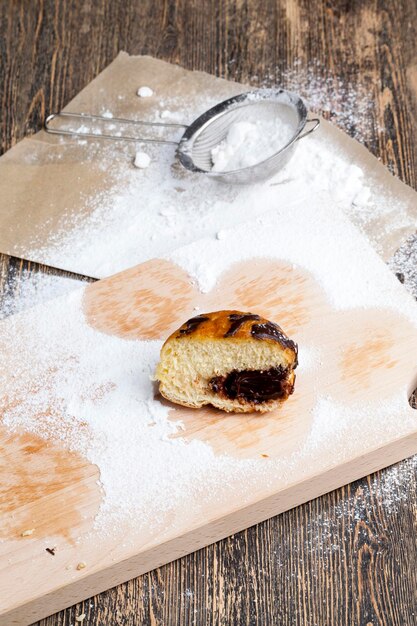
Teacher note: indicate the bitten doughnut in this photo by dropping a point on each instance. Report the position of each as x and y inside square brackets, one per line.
[236, 361]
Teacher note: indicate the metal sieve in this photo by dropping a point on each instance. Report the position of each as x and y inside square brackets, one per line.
[211, 128]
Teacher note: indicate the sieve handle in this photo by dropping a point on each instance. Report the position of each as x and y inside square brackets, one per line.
[117, 120]
[313, 120]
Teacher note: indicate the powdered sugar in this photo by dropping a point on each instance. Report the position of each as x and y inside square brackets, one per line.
[116, 402]
[145, 92]
[332, 420]
[249, 143]
[142, 160]
[117, 422]
[404, 264]
[26, 289]
[136, 218]
[147, 216]
[114, 418]
[348, 103]
[324, 168]
[144, 473]
[284, 233]
[324, 534]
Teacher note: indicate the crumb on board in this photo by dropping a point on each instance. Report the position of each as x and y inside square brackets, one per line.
[81, 565]
[27, 533]
[265, 456]
[80, 618]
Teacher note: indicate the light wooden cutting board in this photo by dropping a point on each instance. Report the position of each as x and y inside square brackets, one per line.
[304, 266]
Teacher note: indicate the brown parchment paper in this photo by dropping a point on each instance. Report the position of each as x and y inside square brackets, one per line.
[44, 179]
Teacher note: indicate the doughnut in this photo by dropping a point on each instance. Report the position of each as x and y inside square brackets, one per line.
[237, 362]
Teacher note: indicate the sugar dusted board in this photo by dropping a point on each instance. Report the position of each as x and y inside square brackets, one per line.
[94, 465]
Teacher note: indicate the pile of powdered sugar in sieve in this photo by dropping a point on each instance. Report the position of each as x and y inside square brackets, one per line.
[249, 143]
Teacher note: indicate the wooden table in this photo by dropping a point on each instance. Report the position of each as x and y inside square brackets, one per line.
[348, 558]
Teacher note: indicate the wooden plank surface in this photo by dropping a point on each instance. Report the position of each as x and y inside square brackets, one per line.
[346, 558]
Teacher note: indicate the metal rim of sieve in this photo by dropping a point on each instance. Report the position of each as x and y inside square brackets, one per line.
[247, 99]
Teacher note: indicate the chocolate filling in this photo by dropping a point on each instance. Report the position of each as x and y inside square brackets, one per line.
[253, 385]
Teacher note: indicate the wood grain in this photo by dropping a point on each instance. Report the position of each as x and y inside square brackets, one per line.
[348, 557]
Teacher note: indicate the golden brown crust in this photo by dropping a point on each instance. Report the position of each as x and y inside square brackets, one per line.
[236, 325]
